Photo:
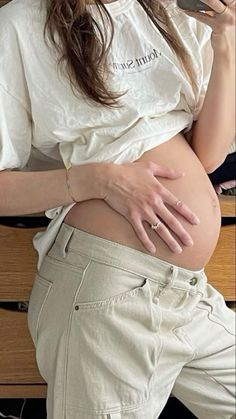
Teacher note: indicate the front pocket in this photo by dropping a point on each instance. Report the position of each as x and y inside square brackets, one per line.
[113, 351]
[38, 297]
[104, 284]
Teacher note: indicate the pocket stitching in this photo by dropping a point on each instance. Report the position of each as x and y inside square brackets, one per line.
[96, 305]
[66, 265]
[41, 281]
[101, 262]
[41, 310]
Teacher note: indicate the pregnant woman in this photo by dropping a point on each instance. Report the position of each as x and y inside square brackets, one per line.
[121, 313]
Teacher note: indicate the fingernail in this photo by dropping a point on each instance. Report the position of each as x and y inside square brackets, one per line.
[177, 249]
[152, 250]
[189, 242]
[196, 220]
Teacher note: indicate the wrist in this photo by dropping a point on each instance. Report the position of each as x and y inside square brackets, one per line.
[89, 181]
[68, 184]
[224, 46]
[103, 175]
[225, 64]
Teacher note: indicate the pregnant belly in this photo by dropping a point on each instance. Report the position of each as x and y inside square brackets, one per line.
[95, 216]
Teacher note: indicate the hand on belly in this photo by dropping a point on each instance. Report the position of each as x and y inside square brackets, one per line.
[135, 192]
[140, 196]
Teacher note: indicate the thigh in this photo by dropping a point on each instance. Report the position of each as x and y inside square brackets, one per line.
[112, 347]
[206, 385]
[95, 343]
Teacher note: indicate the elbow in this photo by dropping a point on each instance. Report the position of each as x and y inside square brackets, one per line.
[210, 167]
[208, 163]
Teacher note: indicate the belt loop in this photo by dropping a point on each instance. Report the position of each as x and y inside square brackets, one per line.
[171, 277]
[173, 271]
[202, 279]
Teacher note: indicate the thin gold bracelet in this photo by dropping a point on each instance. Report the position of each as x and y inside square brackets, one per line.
[68, 183]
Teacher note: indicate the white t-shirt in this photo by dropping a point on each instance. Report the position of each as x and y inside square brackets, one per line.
[41, 120]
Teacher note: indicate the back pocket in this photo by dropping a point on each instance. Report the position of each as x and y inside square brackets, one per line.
[38, 298]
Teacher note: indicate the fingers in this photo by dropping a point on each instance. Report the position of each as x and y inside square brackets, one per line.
[163, 171]
[162, 231]
[142, 235]
[167, 172]
[173, 223]
[219, 12]
[180, 207]
[216, 5]
[167, 237]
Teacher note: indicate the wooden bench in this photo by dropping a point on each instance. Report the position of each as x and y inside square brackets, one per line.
[19, 375]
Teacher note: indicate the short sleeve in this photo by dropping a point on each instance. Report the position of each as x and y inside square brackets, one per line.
[15, 115]
[206, 54]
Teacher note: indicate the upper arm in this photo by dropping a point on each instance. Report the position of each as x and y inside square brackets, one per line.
[203, 34]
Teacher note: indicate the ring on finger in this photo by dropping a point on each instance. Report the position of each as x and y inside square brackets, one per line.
[178, 203]
[156, 226]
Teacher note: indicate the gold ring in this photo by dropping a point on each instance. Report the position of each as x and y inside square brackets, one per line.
[156, 226]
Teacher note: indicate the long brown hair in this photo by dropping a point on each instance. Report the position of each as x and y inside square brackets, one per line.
[84, 44]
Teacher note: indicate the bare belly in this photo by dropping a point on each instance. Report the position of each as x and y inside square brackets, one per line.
[95, 216]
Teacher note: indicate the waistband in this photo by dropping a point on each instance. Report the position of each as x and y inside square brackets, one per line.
[118, 255]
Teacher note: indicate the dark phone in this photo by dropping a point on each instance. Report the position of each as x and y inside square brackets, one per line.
[193, 5]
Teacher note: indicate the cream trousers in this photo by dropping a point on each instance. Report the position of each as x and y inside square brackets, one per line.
[116, 331]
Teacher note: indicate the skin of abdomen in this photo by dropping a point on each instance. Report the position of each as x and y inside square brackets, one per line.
[194, 189]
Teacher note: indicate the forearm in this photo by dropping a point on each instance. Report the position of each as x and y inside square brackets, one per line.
[33, 192]
[215, 129]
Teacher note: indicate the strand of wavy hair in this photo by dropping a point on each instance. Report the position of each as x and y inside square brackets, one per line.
[84, 45]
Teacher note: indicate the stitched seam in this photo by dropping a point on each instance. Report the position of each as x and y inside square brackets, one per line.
[67, 266]
[214, 320]
[120, 298]
[218, 382]
[43, 281]
[107, 263]
[123, 408]
[41, 309]
[64, 403]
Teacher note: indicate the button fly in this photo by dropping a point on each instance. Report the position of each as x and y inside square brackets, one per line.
[193, 280]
